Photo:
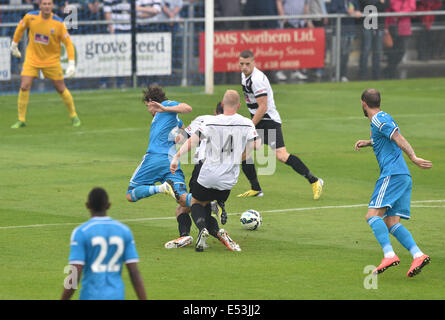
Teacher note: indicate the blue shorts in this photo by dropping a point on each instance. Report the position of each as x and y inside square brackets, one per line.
[154, 168]
[394, 193]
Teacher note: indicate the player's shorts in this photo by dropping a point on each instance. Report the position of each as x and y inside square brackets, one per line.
[156, 168]
[394, 193]
[202, 193]
[53, 73]
[195, 175]
[270, 133]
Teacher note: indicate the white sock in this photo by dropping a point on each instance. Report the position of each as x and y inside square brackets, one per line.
[390, 254]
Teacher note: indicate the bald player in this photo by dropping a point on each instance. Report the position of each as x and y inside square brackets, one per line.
[228, 138]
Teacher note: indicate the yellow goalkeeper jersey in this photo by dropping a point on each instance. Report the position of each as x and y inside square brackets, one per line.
[45, 37]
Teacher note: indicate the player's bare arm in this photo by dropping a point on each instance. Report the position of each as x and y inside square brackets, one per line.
[110, 26]
[362, 144]
[182, 136]
[261, 111]
[180, 108]
[150, 10]
[68, 293]
[280, 9]
[250, 146]
[257, 144]
[186, 147]
[409, 151]
[136, 280]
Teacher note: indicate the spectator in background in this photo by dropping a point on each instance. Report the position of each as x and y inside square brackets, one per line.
[425, 42]
[171, 10]
[400, 29]
[348, 30]
[3, 14]
[228, 8]
[148, 11]
[318, 7]
[372, 40]
[90, 10]
[117, 10]
[261, 8]
[293, 8]
[35, 3]
[5, 17]
[60, 5]
[120, 12]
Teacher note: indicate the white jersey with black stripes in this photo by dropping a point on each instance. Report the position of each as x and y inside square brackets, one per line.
[257, 85]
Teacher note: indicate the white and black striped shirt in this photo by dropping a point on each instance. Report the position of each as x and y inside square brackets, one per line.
[257, 85]
[121, 11]
[155, 4]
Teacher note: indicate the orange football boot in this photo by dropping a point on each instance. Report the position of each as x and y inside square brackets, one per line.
[386, 263]
[417, 265]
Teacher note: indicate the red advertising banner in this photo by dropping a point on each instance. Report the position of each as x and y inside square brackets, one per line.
[273, 49]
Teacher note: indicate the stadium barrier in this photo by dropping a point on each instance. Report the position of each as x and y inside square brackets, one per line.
[171, 52]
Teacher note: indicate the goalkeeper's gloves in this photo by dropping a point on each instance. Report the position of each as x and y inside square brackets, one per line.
[70, 70]
[15, 50]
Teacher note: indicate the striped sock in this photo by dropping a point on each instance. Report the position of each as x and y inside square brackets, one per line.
[143, 192]
[406, 239]
[381, 233]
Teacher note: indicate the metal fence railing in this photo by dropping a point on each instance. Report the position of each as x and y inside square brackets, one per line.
[170, 51]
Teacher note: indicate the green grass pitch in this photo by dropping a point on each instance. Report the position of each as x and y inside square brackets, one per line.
[305, 249]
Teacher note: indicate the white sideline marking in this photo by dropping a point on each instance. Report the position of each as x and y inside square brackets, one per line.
[230, 214]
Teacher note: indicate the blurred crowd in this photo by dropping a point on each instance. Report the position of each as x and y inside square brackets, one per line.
[370, 42]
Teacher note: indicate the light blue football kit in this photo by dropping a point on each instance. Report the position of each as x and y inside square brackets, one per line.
[102, 245]
[155, 165]
[393, 188]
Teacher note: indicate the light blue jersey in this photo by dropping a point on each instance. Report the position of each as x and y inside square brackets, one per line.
[155, 165]
[388, 154]
[161, 139]
[102, 245]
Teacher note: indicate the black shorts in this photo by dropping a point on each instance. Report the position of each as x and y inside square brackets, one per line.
[270, 133]
[201, 193]
[195, 174]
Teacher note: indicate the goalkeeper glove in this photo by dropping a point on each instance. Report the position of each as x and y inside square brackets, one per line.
[15, 50]
[70, 70]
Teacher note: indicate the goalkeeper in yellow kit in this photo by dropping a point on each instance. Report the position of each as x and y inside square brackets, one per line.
[46, 32]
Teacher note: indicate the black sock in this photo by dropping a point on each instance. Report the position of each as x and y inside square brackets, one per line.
[250, 172]
[211, 222]
[184, 224]
[300, 167]
[199, 216]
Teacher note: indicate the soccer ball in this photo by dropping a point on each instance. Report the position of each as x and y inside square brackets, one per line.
[251, 219]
